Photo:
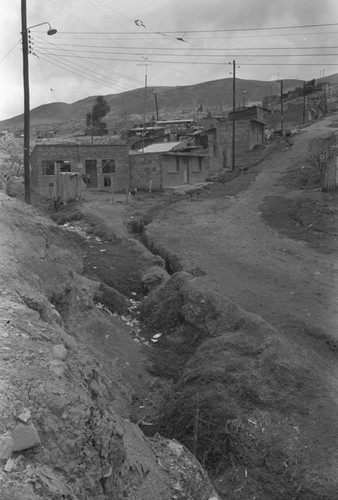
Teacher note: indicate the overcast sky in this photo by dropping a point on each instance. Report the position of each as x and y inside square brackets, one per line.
[102, 45]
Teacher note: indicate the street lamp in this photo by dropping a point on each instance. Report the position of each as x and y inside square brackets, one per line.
[26, 125]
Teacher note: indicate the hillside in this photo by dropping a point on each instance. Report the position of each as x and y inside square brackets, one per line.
[127, 108]
[172, 101]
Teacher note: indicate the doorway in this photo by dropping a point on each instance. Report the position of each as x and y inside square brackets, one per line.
[185, 170]
[91, 173]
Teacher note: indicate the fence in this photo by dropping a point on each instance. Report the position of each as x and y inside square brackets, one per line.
[329, 172]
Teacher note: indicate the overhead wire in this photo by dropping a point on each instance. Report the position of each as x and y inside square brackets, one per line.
[234, 54]
[78, 19]
[80, 71]
[10, 51]
[66, 52]
[257, 63]
[223, 30]
[203, 48]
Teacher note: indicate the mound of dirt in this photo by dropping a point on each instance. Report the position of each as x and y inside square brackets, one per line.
[236, 399]
[64, 410]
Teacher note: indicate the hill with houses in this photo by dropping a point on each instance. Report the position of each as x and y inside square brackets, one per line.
[127, 108]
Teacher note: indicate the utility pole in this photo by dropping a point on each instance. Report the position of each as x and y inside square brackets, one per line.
[233, 113]
[155, 95]
[304, 102]
[26, 125]
[145, 97]
[281, 107]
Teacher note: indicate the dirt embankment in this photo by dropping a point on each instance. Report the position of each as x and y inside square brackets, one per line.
[68, 368]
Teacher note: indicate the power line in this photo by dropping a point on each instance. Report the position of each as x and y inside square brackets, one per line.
[76, 72]
[231, 37]
[200, 48]
[196, 55]
[224, 30]
[84, 72]
[206, 63]
[8, 53]
[92, 63]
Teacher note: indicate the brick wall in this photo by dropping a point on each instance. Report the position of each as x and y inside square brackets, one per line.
[77, 155]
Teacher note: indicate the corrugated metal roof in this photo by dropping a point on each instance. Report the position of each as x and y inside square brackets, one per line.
[162, 147]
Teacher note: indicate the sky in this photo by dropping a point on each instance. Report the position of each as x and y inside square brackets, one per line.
[110, 46]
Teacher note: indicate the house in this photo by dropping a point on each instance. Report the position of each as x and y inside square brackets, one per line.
[98, 164]
[165, 165]
[144, 136]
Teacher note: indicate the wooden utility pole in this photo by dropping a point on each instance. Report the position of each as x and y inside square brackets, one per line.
[26, 123]
[233, 113]
[145, 98]
[304, 102]
[156, 104]
[281, 107]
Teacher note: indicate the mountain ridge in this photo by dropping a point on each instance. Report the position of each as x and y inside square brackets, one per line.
[179, 101]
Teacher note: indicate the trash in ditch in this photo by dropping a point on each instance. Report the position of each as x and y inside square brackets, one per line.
[154, 340]
[103, 250]
[157, 335]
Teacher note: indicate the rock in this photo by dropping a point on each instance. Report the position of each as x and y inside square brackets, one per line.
[58, 367]
[153, 277]
[60, 352]
[25, 437]
[9, 465]
[23, 414]
[6, 446]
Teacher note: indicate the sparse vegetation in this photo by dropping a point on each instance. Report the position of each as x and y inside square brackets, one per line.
[93, 119]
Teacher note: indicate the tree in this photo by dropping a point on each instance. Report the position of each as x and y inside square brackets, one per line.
[93, 118]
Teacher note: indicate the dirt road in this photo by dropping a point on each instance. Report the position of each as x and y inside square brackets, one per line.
[285, 281]
[223, 238]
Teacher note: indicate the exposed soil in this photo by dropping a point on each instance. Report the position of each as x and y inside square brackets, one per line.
[243, 370]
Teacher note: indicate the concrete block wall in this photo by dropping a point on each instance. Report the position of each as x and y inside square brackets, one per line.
[144, 167]
[77, 155]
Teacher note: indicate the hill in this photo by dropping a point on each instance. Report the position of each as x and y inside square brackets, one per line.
[128, 107]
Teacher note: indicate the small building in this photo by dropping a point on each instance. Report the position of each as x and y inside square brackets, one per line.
[251, 113]
[144, 136]
[165, 165]
[98, 164]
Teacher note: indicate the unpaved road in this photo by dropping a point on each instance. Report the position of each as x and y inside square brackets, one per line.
[285, 281]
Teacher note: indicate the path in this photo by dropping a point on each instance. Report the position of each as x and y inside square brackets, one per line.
[283, 280]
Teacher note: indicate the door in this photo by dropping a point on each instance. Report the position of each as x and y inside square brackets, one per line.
[185, 170]
[91, 173]
[185, 174]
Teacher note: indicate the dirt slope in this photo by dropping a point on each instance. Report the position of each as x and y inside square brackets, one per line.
[65, 430]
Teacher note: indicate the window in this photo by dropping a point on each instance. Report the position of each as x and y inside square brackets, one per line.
[197, 164]
[47, 168]
[108, 166]
[64, 166]
[174, 165]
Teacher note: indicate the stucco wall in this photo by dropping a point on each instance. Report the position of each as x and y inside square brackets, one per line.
[77, 155]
